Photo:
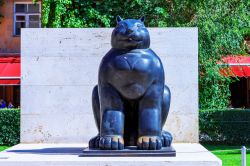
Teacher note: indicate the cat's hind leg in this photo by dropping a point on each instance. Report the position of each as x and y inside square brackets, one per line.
[166, 137]
[94, 142]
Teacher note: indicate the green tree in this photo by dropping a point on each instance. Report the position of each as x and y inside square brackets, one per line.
[222, 26]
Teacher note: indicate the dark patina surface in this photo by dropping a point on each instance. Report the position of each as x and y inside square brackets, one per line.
[130, 152]
[131, 101]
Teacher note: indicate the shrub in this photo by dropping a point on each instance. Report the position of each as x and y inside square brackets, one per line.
[225, 126]
[9, 126]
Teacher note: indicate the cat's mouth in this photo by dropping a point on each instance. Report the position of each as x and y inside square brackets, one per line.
[131, 39]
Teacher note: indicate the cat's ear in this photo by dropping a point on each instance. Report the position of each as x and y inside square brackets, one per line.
[118, 19]
[142, 19]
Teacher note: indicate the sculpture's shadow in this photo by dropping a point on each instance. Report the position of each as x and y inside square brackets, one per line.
[51, 151]
[86, 152]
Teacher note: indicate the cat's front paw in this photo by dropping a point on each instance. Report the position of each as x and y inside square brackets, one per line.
[94, 142]
[149, 143]
[112, 142]
[166, 139]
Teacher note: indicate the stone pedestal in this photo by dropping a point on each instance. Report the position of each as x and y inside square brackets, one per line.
[129, 151]
[69, 155]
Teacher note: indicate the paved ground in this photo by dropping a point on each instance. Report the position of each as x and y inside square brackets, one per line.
[68, 155]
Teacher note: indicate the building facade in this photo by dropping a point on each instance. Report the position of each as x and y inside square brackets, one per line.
[17, 14]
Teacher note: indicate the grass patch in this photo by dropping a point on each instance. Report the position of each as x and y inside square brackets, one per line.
[228, 154]
[3, 148]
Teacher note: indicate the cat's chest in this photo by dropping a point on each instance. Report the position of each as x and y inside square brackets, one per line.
[133, 62]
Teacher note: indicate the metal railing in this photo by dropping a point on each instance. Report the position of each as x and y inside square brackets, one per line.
[244, 156]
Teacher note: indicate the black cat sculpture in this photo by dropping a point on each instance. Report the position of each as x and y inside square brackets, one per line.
[131, 101]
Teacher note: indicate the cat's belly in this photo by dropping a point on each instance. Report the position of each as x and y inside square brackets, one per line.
[131, 84]
[132, 91]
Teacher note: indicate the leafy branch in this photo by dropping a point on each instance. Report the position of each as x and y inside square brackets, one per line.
[222, 27]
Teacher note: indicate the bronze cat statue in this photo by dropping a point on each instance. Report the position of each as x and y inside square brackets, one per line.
[131, 101]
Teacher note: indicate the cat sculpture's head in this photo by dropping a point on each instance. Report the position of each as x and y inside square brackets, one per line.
[130, 34]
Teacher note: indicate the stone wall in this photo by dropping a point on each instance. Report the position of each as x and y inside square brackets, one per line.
[59, 70]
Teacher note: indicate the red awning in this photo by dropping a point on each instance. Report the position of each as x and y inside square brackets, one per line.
[236, 66]
[10, 70]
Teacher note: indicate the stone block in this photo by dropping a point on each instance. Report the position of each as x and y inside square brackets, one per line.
[59, 70]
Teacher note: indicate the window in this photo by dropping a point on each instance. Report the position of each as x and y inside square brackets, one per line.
[27, 15]
[240, 93]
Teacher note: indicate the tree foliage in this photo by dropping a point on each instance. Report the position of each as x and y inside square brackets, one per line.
[222, 26]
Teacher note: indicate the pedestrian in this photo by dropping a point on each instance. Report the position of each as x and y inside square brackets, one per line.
[2, 104]
[10, 105]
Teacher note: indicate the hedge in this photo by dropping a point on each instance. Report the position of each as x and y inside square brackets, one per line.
[231, 126]
[9, 126]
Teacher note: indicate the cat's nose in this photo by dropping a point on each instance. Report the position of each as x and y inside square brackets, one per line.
[129, 30]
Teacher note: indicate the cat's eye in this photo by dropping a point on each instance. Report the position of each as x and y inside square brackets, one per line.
[120, 26]
[139, 25]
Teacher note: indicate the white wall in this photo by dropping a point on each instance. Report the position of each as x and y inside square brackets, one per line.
[59, 70]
